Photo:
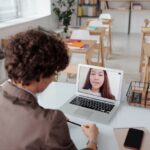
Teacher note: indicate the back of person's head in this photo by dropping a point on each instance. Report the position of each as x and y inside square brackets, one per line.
[33, 54]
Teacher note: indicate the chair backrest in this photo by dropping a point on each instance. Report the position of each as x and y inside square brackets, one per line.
[105, 16]
[91, 61]
[146, 22]
[80, 34]
[146, 48]
[4, 43]
[146, 37]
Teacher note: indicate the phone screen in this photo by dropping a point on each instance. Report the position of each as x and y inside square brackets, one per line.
[134, 138]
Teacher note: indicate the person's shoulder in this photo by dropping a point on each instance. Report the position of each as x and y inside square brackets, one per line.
[56, 114]
[53, 114]
[56, 118]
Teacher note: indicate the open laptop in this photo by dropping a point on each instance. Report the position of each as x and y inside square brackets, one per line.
[98, 93]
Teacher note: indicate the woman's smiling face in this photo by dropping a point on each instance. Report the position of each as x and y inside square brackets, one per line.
[96, 79]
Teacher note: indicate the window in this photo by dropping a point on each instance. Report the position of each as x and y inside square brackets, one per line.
[16, 9]
[8, 9]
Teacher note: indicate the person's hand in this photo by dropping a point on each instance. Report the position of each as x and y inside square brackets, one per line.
[91, 131]
[67, 119]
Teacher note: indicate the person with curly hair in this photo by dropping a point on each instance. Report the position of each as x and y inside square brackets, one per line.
[97, 83]
[32, 59]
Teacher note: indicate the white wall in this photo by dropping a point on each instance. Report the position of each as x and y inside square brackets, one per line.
[49, 22]
[137, 20]
[120, 20]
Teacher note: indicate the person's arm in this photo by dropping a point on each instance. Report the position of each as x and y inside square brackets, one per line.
[59, 136]
[91, 131]
[92, 145]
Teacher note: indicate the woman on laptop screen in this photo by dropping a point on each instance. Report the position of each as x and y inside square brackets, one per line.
[98, 84]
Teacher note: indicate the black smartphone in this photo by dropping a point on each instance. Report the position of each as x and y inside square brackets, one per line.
[134, 138]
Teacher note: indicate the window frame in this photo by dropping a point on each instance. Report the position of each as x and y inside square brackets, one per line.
[41, 13]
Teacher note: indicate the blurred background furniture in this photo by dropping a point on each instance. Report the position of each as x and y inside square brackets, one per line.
[89, 41]
[3, 44]
[88, 36]
[87, 9]
[146, 56]
[103, 22]
[145, 38]
[107, 20]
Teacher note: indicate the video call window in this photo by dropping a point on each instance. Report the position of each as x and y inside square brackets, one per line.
[99, 82]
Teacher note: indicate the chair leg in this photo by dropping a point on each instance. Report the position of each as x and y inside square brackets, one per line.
[146, 70]
[142, 53]
[1, 54]
[110, 41]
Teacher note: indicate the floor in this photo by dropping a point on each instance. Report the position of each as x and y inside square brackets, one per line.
[125, 56]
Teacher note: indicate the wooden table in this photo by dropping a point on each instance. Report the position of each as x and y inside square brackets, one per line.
[85, 50]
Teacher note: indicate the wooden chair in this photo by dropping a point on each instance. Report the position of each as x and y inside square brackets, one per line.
[4, 43]
[102, 22]
[145, 38]
[90, 60]
[70, 71]
[107, 20]
[88, 37]
[146, 70]
[99, 47]
[146, 23]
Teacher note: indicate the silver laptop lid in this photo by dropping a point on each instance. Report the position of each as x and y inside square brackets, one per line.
[99, 82]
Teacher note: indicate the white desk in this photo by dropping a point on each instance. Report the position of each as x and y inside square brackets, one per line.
[127, 116]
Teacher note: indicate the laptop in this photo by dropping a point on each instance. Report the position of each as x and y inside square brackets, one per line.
[98, 93]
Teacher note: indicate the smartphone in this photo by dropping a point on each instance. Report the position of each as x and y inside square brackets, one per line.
[134, 138]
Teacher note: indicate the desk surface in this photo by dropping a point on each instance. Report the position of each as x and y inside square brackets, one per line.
[58, 93]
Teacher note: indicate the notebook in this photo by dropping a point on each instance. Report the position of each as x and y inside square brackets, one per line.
[76, 44]
[98, 93]
[121, 134]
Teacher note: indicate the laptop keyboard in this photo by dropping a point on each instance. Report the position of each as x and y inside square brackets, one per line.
[91, 104]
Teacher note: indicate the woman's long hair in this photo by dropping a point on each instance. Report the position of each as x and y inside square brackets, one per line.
[104, 89]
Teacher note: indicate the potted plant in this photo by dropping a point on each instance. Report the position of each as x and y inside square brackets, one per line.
[64, 10]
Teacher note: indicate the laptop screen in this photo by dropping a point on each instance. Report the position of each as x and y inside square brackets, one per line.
[100, 82]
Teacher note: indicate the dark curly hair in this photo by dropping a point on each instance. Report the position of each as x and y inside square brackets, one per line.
[34, 54]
